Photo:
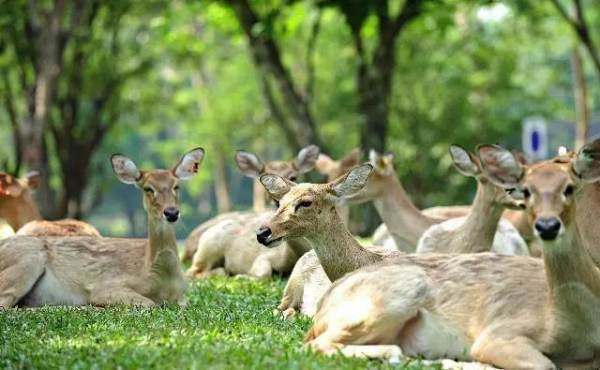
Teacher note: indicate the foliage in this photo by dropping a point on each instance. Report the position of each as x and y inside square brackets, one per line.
[227, 324]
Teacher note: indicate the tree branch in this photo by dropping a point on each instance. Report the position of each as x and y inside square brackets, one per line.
[310, 62]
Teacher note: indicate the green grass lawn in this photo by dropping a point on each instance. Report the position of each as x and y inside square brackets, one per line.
[227, 324]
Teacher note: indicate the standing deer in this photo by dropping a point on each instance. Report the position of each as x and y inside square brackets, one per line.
[512, 312]
[482, 229]
[230, 247]
[252, 166]
[105, 271]
[20, 212]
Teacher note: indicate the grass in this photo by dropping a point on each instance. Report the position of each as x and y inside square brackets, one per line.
[227, 324]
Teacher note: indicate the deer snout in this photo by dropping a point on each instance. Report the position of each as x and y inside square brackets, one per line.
[171, 214]
[263, 234]
[548, 228]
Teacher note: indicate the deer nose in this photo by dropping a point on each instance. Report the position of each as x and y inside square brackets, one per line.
[548, 228]
[171, 214]
[263, 234]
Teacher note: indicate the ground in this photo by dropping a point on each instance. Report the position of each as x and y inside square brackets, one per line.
[227, 324]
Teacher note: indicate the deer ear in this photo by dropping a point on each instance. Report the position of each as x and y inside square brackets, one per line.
[276, 186]
[464, 161]
[352, 182]
[500, 166]
[33, 179]
[351, 159]
[125, 169]
[189, 164]
[306, 159]
[586, 164]
[249, 163]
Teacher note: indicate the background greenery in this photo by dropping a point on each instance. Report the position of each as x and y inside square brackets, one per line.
[154, 78]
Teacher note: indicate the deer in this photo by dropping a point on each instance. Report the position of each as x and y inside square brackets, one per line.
[512, 312]
[21, 213]
[308, 281]
[482, 229]
[252, 166]
[36, 271]
[231, 248]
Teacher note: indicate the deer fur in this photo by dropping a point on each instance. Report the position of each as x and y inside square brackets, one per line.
[20, 212]
[482, 230]
[512, 312]
[104, 271]
[252, 166]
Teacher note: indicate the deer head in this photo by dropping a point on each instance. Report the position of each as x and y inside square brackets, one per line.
[334, 169]
[468, 165]
[252, 166]
[159, 186]
[16, 204]
[383, 170]
[549, 189]
[303, 208]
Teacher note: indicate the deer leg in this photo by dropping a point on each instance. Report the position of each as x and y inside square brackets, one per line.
[107, 296]
[291, 301]
[17, 280]
[512, 353]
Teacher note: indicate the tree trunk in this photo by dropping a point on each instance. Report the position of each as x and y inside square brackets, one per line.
[267, 58]
[221, 191]
[581, 104]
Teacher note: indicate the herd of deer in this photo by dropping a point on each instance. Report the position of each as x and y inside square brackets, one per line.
[513, 281]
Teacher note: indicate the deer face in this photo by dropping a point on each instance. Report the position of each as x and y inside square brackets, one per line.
[334, 169]
[383, 170]
[252, 166]
[549, 189]
[159, 186]
[304, 208]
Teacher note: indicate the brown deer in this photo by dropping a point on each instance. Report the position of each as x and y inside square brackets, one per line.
[252, 166]
[20, 212]
[231, 247]
[512, 312]
[105, 271]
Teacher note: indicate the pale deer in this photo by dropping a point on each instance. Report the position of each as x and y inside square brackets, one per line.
[21, 213]
[252, 166]
[482, 229]
[513, 312]
[231, 247]
[105, 271]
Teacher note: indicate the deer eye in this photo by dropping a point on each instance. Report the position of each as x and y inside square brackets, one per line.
[526, 193]
[276, 203]
[149, 190]
[293, 178]
[569, 190]
[304, 204]
[176, 187]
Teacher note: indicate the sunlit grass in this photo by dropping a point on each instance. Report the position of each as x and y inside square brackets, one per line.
[227, 324]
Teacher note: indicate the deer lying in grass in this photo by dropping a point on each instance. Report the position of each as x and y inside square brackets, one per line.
[308, 281]
[252, 166]
[512, 312]
[233, 246]
[104, 271]
[482, 229]
[20, 212]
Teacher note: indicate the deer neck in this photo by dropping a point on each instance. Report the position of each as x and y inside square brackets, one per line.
[336, 248]
[161, 252]
[259, 197]
[573, 278]
[19, 211]
[405, 222]
[477, 232]
[588, 214]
